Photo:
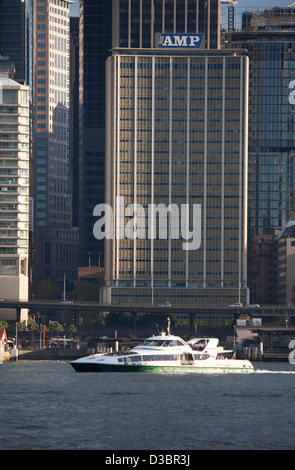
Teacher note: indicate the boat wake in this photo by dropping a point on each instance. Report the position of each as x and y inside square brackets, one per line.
[265, 371]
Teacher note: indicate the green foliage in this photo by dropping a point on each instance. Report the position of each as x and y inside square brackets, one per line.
[199, 324]
[46, 289]
[157, 320]
[114, 318]
[86, 291]
[13, 326]
[32, 325]
[72, 329]
[281, 321]
[226, 323]
[182, 323]
[99, 321]
[55, 327]
[3, 324]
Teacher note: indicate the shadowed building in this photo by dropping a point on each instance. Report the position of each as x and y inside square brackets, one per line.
[55, 243]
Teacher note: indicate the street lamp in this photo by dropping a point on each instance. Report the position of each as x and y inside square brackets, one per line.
[65, 275]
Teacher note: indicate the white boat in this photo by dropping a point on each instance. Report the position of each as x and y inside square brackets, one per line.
[166, 353]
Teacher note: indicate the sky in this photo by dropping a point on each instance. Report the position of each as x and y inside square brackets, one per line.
[241, 5]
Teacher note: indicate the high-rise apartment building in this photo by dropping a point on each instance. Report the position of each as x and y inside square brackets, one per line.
[55, 244]
[176, 138]
[269, 37]
[14, 191]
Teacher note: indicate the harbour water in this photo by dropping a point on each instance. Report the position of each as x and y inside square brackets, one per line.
[46, 405]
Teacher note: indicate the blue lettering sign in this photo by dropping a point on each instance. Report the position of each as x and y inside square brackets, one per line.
[189, 41]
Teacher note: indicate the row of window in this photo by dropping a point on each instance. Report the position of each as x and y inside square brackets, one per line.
[180, 66]
[177, 287]
[147, 358]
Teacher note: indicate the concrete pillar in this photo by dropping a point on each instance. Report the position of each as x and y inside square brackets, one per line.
[134, 317]
[77, 321]
[18, 314]
[192, 324]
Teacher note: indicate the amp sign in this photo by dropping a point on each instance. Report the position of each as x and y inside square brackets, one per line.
[190, 41]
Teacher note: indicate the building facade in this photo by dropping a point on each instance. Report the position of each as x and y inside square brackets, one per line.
[121, 23]
[269, 37]
[74, 117]
[14, 34]
[138, 23]
[55, 243]
[271, 267]
[95, 44]
[14, 192]
[176, 140]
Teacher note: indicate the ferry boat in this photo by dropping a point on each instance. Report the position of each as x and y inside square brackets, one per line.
[166, 353]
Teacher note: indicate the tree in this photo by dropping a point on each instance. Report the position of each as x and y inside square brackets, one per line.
[99, 320]
[114, 318]
[46, 289]
[72, 329]
[55, 326]
[19, 326]
[3, 324]
[32, 326]
[157, 320]
[86, 291]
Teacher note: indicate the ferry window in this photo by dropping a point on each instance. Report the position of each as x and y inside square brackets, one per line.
[153, 343]
[161, 357]
[201, 357]
[165, 343]
[136, 358]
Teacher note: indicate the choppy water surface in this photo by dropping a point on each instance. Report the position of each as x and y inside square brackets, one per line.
[47, 405]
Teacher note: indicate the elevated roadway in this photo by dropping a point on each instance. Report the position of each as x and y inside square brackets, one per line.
[193, 312]
[183, 309]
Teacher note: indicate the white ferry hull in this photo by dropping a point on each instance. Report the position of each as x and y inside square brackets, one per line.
[166, 353]
[214, 366]
[87, 364]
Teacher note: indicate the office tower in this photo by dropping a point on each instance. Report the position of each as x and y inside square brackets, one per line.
[13, 35]
[95, 44]
[14, 190]
[54, 242]
[74, 116]
[271, 262]
[7, 67]
[269, 37]
[121, 23]
[176, 135]
[138, 23]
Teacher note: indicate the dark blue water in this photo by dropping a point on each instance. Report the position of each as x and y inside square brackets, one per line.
[47, 405]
